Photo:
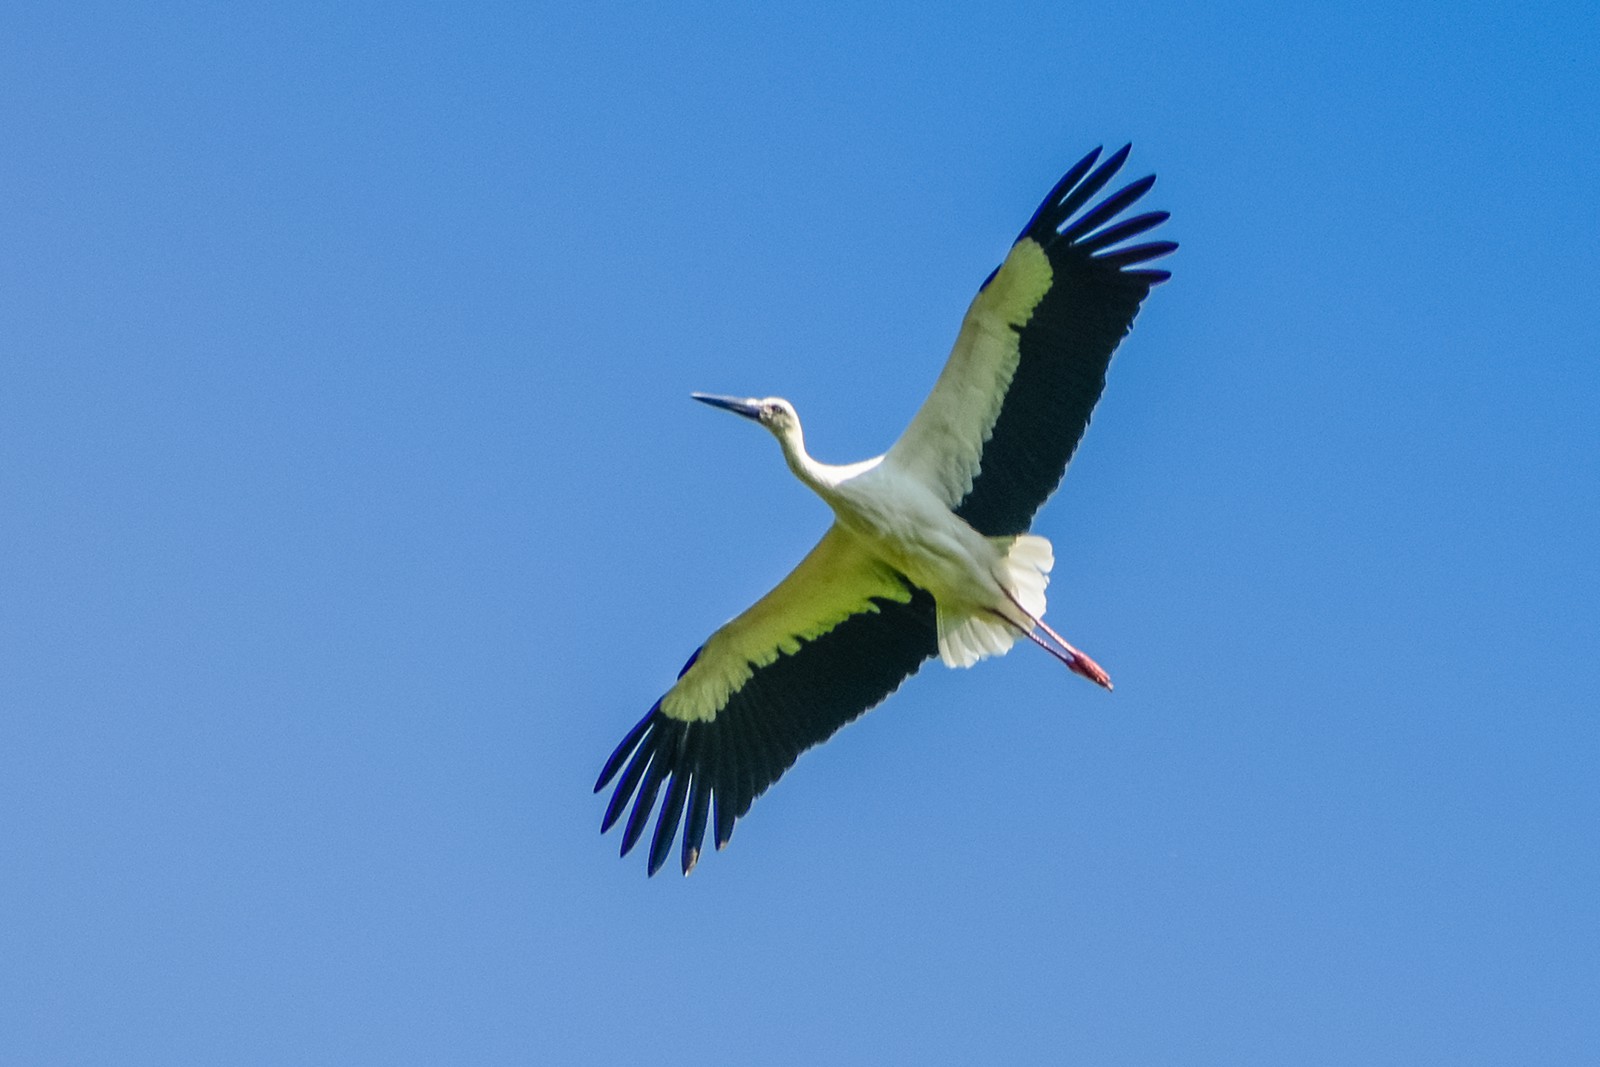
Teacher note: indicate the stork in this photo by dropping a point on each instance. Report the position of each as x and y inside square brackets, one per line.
[929, 552]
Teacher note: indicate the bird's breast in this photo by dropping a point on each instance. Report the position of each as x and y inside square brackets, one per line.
[911, 530]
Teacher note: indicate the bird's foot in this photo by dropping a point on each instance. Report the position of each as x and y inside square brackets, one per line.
[1075, 660]
[1079, 663]
[1088, 668]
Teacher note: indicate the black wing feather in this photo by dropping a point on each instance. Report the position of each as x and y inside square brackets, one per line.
[1066, 345]
[694, 831]
[723, 817]
[1127, 257]
[660, 765]
[1050, 216]
[1107, 209]
[1060, 189]
[672, 807]
[791, 704]
[629, 782]
[1123, 230]
[629, 743]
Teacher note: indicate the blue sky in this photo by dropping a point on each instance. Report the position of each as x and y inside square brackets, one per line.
[352, 505]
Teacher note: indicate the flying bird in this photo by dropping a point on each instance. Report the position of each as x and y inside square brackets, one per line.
[929, 552]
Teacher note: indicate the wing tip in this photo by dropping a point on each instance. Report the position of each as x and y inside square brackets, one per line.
[665, 759]
[1076, 187]
[629, 743]
[1071, 222]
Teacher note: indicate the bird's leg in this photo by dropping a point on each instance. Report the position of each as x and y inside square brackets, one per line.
[1077, 662]
[1047, 646]
[1081, 663]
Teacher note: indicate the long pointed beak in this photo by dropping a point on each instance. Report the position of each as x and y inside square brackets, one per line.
[738, 405]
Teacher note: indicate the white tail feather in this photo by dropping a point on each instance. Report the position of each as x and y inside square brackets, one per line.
[965, 637]
[1026, 572]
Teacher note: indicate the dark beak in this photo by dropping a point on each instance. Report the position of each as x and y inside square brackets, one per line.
[748, 408]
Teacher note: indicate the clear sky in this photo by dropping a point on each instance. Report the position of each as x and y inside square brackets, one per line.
[352, 506]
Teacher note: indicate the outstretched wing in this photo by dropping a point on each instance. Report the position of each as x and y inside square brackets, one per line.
[834, 638]
[1030, 362]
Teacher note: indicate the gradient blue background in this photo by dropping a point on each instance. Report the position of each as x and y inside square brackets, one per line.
[352, 505]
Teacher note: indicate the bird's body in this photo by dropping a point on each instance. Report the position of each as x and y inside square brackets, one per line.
[929, 552]
[889, 513]
[899, 521]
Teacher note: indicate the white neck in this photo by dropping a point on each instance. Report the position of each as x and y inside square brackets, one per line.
[823, 478]
[808, 470]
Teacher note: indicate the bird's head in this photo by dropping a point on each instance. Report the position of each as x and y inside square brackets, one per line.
[773, 412]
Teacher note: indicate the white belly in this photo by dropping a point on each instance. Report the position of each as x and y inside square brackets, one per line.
[912, 531]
